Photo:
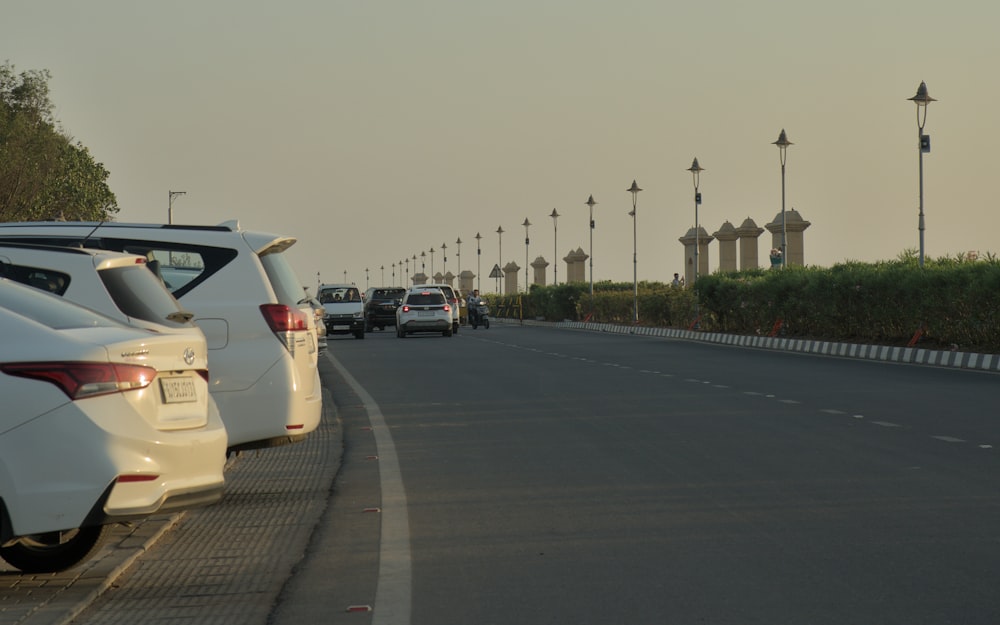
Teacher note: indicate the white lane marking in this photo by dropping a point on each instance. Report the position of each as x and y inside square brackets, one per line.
[858, 416]
[831, 411]
[949, 439]
[886, 424]
[393, 592]
[753, 393]
[986, 446]
[789, 401]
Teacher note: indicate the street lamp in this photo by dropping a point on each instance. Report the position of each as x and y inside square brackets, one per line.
[444, 255]
[414, 264]
[458, 259]
[394, 274]
[634, 190]
[526, 224]
[383, 275]
[170, 204]
[423, 265]
[407, 276]
[590, 202]
[499, 255]
[479, 263]
[923, 145]
[366, 278]
[696, 170]
[432, 262]
[555, 247]
[782, 144]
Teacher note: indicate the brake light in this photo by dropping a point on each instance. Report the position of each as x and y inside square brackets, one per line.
[85, 379]
[283, 318]
[406, 308]
[447, 308]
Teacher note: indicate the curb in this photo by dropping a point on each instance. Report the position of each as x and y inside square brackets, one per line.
[883, 353]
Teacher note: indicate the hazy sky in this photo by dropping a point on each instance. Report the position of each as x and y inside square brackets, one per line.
[376, 130]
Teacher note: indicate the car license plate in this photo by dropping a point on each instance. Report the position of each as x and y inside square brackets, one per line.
[178, 390]
[341, 327]
[425, 313]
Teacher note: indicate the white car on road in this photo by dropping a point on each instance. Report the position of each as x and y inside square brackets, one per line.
[101, 423]
[246, 299]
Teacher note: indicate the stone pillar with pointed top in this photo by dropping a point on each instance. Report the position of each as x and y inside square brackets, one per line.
[539, 265]
[689, 239]
[419, 278]
[510, 274]
[726, 236]
[466, 281]
[748, 233]
[795, 226]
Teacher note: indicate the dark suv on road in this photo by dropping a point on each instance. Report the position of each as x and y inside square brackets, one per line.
[380, 306]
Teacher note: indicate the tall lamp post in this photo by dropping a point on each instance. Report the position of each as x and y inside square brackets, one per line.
[696, 170]
[923, 145]
[458, 259]
[555, 246]
[499, 254]
[783, 144]
[432, 262]
[394, 274]
[414, 263]
[479, 263]
[444, 256]
[366, 278]
[591, 203]
[634, 190]
[170, 204]
[527, 240]
[423, 264]
[383, 275]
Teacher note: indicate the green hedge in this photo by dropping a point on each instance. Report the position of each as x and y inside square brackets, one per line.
[953, 302]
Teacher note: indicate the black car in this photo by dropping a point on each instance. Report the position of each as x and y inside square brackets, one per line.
[380, 306]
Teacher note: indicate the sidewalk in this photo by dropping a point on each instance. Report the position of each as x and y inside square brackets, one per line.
[226, 562]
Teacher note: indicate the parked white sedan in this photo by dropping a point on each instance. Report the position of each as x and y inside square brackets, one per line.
[101, 423]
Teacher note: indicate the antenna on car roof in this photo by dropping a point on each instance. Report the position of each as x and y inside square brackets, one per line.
[91, 233]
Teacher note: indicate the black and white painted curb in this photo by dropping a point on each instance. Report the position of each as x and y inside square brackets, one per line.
[910, 355]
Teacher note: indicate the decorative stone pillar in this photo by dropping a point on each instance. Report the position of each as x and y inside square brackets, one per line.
[510, 273]
[726, 236]
[466, 281]
[795, 226]
[748, 232]
[449, 279]
[419, 278]
[689, 239]
[438, 278]
[575, 262]
[539, 265]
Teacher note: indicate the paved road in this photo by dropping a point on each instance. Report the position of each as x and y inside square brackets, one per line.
[550, 476]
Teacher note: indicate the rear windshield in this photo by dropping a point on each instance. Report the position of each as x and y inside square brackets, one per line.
[139, 294]
[286, 285]
[49, 310]
[425, 299]
[388, 294]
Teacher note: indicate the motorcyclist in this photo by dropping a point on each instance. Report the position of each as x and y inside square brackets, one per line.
[472, 304]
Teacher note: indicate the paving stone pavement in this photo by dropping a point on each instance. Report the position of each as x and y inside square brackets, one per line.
[225, 563]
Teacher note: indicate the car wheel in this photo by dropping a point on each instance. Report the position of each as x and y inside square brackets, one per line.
[446, 332]
[454, 328]
[360, 334]
[54, 551]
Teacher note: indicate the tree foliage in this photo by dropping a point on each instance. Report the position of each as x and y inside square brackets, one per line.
[44, 174]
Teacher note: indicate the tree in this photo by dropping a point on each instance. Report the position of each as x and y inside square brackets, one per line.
[44, 174]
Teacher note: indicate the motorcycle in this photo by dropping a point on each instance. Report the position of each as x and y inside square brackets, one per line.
[480, 316]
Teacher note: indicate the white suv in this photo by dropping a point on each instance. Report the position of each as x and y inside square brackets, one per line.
[454, 302]
[245, 298]
[424, 309]
[115, 284]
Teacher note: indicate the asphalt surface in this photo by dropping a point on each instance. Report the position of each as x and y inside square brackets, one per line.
[231, 562]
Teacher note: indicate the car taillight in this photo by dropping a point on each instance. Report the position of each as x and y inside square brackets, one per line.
[406, 308]
[447, 308]
[85, 379]
[284, 321]
[283, 318]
